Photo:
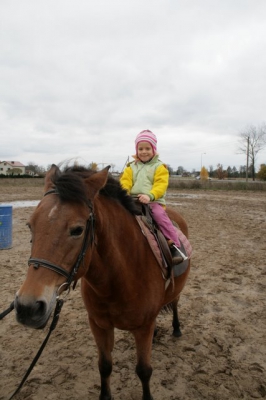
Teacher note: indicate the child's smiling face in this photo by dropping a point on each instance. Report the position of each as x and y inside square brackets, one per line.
[145, 151]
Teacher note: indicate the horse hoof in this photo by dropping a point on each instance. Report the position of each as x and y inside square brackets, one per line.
[177, 333]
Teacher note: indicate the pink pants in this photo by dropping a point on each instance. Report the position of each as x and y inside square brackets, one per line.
[164, 223]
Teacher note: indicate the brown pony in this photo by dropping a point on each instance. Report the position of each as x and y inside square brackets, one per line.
[84, 227]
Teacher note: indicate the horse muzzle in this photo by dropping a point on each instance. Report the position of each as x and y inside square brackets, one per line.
[33, 312]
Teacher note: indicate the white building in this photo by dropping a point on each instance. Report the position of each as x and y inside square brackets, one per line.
[12, 168]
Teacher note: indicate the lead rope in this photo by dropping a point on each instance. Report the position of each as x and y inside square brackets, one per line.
[7, 311]
[57, 311]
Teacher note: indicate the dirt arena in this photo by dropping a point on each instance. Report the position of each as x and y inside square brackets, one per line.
[222, 353]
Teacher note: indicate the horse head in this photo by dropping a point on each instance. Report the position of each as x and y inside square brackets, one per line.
[61, 233]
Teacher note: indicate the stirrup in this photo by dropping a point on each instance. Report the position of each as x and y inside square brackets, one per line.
[180, 252]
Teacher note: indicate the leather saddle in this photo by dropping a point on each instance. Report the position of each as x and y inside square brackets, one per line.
[146, 218]
[159, 244]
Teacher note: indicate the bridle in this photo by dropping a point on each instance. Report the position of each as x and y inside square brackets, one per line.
[88, 240]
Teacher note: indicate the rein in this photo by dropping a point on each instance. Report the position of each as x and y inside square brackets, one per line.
[89, 237]
[58, 307]
[7, 311]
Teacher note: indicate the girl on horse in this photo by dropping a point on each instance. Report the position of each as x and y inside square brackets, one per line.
[147, 178]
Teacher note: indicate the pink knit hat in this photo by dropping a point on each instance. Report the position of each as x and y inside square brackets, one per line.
[146, 136]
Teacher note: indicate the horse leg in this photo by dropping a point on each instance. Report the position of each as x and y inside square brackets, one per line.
[105, 342]
[175, 323]
[143, 339]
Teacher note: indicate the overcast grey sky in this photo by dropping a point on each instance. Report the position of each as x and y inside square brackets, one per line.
[80, 79]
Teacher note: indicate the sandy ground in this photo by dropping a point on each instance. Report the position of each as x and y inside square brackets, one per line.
[222, 353]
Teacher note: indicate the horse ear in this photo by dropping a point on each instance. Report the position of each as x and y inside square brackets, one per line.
[53, 172]
[97, 181]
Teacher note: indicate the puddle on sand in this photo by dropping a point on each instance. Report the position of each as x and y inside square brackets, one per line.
[21, 204]
[184, 195]
[34, 203]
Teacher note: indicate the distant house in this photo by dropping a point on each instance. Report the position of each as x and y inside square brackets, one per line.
[12, 168]
[30, 172]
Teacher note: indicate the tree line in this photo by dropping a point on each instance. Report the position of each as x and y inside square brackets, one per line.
[252, 140]
[220, 173]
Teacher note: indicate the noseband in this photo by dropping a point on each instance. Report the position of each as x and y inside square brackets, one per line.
[87, 240]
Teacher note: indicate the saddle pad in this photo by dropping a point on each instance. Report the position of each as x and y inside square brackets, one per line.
[186, 248]
[151, 239]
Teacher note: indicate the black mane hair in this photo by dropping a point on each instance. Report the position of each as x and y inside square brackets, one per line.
[70, 186]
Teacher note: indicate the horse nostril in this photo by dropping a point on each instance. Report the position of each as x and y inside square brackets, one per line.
[33, 310]
[40, 307]
[18, 307]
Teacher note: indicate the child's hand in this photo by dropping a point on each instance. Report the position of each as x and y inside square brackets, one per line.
[144, 198]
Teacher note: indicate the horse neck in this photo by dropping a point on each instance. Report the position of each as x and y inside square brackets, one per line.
[115, 262]
[111, 218]
[115, 231]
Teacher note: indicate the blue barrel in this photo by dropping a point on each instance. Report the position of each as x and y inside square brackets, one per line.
[5, 227]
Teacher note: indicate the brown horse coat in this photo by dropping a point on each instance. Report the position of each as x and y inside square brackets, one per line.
[121, 283]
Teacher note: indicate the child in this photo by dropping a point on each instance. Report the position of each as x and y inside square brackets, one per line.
[147, 178]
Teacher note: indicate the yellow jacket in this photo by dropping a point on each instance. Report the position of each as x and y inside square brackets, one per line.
[150, 178]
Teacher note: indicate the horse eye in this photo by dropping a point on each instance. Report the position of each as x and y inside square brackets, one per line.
[76, 231]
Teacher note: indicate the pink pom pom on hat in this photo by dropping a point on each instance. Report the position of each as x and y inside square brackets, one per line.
[147, 136]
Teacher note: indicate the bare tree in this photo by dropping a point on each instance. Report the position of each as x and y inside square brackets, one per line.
[220, 172]
[36, 169]
[180, 170]
[252, 141]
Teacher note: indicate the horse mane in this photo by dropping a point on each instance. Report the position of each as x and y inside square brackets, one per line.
[71, 187]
